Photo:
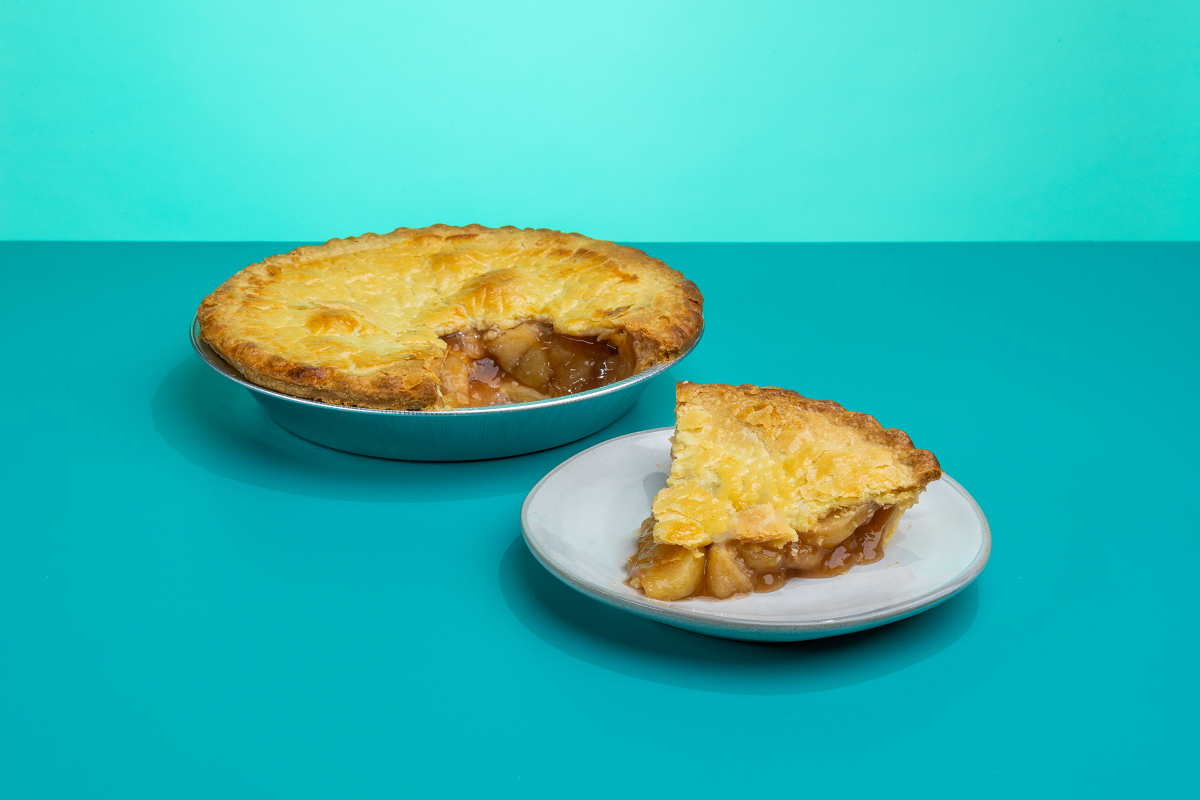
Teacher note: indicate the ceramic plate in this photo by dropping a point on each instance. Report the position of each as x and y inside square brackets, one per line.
[581, 521]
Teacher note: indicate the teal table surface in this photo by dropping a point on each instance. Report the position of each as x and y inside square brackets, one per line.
[194, 603]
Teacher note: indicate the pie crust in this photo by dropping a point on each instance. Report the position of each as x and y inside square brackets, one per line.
[380, 321]
[767, 484]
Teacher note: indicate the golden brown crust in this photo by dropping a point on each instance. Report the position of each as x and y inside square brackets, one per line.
[761, 464]
[358, 321]
[923, 463]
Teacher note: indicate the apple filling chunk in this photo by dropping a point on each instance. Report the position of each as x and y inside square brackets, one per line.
[732, 567]
[528, 362]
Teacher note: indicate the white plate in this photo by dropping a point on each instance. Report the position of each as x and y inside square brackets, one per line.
[581, 522]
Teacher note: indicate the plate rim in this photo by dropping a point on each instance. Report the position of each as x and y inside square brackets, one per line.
[662, 611]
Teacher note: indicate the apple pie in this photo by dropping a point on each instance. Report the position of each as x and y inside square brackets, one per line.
[445, 317]
[766, 485]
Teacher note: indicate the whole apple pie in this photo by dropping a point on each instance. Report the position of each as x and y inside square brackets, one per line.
[445, 317]
[766, 485]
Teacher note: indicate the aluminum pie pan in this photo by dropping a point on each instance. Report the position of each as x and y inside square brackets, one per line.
[461, 434]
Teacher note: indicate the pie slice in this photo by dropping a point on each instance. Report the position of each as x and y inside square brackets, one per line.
[767, 485]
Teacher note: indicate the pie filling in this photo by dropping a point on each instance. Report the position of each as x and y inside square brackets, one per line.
[529, 362]
[723, 569]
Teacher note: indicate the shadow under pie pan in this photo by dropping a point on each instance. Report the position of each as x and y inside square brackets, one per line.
[461, 434]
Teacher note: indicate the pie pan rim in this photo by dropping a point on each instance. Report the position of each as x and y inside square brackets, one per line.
[214, 360]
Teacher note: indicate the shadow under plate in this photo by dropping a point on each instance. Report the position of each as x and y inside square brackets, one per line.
[630, 645]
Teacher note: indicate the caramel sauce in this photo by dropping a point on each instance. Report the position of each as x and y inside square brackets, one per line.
[741, 567]
[864, 546]
[528, 362]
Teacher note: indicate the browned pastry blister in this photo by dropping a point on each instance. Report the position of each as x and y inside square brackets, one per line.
[445, 317]
[766, 485]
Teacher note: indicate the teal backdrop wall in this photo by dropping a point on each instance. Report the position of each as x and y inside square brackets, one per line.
[639, 121]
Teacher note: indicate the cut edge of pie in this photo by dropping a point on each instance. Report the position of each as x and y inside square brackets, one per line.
[767, 485]
[476, 316]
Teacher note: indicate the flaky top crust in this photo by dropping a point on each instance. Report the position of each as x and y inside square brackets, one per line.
[358, 321]
[760, 464]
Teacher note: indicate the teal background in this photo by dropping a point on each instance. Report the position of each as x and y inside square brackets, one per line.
[660, 121]
[194, 603]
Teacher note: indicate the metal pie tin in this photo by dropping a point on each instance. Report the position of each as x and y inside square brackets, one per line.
[462, 434]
